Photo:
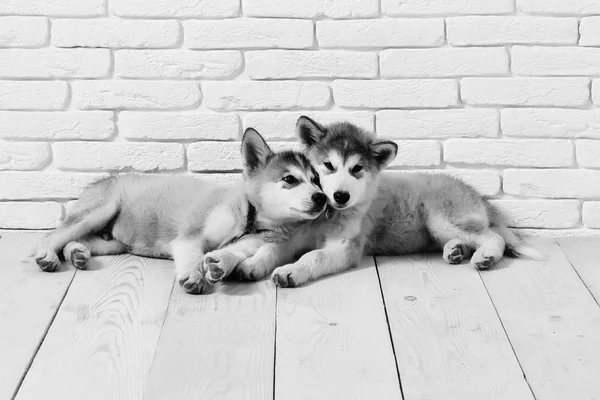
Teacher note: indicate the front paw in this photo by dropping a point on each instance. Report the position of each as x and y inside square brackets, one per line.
[290, 275]
[47, 260]
[192, 281]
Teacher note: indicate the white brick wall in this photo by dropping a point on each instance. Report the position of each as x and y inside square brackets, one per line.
[504, 94]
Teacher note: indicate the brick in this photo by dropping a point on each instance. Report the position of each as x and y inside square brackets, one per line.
[30, 215]
[552, 183]
[175, 8]
[146, 125]
[445, 7]
[115, 33]
[589, 30]
[588, 153]
[483, 31]
[20, 95]
[516, 153]
[55, 8]
[487, 183]
[15, 185]
[550, 122]
[249, 33]
[417, 153]
[438, 124]
[90, 95]
[444, 62]
[118, 156]
[89, 125]
[311, 8]
[178, 64]
[591, 214]
[23, 156]
[559, 233]
[281, 125]
[549, 214]
[55, 63]
[407, 93]
[576, 7]
[389, 32]
[23, 31]
[525, 91]
[596, 91]
[274, 95]
[223, 156]
[555, 61]
[286, 64]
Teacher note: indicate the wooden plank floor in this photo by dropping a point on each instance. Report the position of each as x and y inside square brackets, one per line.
[409, 327]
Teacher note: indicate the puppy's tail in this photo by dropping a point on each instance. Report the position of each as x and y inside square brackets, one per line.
[515, 245]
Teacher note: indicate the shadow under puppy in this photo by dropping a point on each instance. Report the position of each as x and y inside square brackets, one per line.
[207, 229]
[373, 214]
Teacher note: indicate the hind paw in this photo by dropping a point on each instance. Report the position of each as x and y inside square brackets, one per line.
[192, 281]
[482, 260]
[47, 261]
[214, 267]
[454, 252]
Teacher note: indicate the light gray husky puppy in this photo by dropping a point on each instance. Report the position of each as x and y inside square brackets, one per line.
[388, 215]
[206, 228]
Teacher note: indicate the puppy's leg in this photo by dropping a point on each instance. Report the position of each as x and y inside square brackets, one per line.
[219, 263]
[266, 259]
[336, 256]
[188, 252]
[456, 250]
[490, 249]
[79, 253]
[47, 253]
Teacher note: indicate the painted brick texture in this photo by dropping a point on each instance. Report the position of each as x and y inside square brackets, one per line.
[501, 93]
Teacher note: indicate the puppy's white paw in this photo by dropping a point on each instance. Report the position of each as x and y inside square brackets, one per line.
[214, 267]
[77, 254]
[290, 275]
[482, 260]
[454, 252]
[47, 260]
[192, 281]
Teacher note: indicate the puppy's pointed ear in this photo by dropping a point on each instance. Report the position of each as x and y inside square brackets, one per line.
[255, 151]
[309, 131]
[384, 152]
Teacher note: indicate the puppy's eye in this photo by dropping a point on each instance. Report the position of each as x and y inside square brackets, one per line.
[328, 165]
[290, 179]
[357, 168]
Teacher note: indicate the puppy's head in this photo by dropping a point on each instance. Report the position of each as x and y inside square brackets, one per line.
[283, 186]
[347, 158]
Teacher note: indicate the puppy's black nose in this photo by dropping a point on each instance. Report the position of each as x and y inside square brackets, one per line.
[341, 197]
[319, 198]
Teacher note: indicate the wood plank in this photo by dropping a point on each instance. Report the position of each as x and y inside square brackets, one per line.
[103, 339]
[448, 339]
[552, 321]
[30, 299]
[218, 345]
[584, 256]
[333, 340]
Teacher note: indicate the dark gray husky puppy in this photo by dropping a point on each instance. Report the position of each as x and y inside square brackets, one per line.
[206, 228]
[389, 214]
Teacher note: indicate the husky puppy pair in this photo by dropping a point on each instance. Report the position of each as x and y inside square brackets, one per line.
[375, 214]
[205, 228]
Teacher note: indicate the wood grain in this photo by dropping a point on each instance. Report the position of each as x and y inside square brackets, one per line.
[448, 340]
[552, 321]
[103, 339]
[218, 345]
[333, 340]
[584, 256]
[29, 299]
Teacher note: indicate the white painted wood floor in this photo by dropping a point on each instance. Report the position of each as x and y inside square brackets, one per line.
[398, 327]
